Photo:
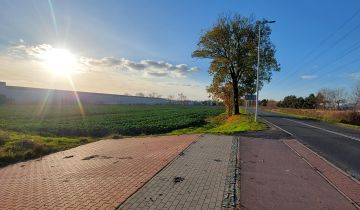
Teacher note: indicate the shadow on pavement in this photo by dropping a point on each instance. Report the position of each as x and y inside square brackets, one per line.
[270, 133]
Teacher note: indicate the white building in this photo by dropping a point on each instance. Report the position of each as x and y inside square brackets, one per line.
[26, 95]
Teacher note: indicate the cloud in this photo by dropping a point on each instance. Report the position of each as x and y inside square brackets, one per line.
[355, 76]
[23, 51]
[147, 68]
[309, 76]
[183, 84]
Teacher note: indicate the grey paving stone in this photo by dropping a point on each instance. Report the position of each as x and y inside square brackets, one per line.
[204, 167]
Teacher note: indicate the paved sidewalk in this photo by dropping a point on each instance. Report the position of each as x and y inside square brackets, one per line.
[198, 179]
[275, 177]
[99, 175]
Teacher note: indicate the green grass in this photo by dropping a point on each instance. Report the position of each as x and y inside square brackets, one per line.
[15, 146]
[223, 125]
[29, 131]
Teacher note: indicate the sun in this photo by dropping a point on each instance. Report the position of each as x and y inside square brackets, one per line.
[60, 61]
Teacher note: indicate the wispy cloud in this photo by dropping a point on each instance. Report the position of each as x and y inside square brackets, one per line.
[182, 84]
[149, 68]
[355, 76]
[309, 76]
[30, 52]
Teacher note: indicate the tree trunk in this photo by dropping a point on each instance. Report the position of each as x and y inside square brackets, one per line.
[236, 98]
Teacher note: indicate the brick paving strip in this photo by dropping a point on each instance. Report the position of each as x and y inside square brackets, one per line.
[200, 178]
[99, 175]
[275, 177]
[347, 185]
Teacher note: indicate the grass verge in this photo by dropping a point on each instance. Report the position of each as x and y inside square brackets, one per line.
[222, 124]
[15, 146]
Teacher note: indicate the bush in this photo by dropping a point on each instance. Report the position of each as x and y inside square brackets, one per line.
[353, 118]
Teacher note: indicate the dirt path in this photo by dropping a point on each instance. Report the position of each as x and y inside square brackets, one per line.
[97, 175]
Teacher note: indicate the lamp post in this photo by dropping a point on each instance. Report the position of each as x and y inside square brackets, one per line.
[258, 66]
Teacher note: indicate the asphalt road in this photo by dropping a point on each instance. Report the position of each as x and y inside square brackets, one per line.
[339, 145]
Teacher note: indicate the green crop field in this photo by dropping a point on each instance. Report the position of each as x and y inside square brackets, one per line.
[102, 120]
[30, 131]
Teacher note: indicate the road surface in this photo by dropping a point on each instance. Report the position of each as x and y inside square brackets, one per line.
[339, 145]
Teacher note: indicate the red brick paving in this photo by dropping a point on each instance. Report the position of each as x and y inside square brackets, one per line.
[344, 183]
[274, 177]
[104, 182]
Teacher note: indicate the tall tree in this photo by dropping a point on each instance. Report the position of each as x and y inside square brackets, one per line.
[171, 98]
[355, 95]
[231, 44]
[182, 98]
[310, 102]
[339, 97]
[320, 100]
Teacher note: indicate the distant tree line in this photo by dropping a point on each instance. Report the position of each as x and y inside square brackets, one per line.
[298, 102]
[326, 98]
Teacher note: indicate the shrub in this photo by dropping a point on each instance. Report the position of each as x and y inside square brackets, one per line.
[353, 118]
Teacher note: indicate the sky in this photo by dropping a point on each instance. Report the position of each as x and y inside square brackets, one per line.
[133, 46]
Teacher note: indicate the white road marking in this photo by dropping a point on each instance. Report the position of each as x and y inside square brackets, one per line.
[278, 127]
[323, 129]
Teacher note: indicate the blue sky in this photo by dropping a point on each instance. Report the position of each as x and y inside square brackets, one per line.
[166, 32]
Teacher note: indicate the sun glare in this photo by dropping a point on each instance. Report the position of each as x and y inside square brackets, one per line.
[60, 61]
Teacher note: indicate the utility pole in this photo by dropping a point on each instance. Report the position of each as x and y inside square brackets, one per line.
[258, 67]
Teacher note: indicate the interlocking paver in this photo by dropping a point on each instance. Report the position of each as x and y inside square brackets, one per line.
[204, 167]
[104, 181]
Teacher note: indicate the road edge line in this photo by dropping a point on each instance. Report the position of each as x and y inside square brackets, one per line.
[324, 129]
[272, 124]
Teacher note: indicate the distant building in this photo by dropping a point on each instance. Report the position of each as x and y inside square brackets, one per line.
[26, 95]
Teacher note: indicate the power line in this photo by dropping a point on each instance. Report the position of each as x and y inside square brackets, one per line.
[355, 47]
[324, 41]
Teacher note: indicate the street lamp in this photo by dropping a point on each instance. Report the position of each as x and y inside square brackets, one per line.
[258, 66]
